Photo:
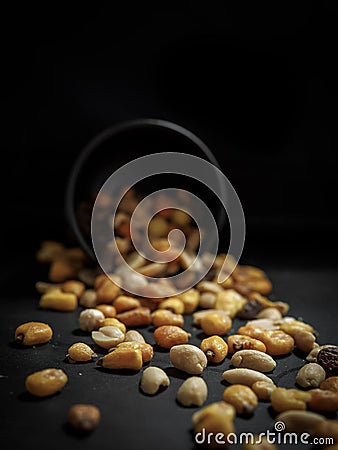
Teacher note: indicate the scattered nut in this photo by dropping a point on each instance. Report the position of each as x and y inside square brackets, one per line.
[323, 400]
[328, 359]
[137, 317]
[46, 382]
[80, 352]
[330, 384]
[88, 299]
[122, 358]
[300, 421]
[215, 348]
[108, 337]
[109, 311]
[285, 399]
[263, 389]
[83, 417]
[238, 342]
[241, 397]
[58, 300]
[152, 379]
[310, 375]
[146, 349]
[134, 336]
[244, 376]
[216, 324]
[167, 336]
[33, 333]
[193, 391]
[91, 319]
[124, 303]
[253, 359]
[188, 358]
[165, 317]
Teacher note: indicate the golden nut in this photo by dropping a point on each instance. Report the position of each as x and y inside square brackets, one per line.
[33, 333]
[46, 382]
[167, 336]
[58, 300]
[216, 324]
[215, 348]
[241, 397]
[80, 352]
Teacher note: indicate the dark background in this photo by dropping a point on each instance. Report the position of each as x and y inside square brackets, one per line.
[256, 81]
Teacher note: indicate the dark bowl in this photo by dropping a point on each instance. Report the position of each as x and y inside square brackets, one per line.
[124, 142]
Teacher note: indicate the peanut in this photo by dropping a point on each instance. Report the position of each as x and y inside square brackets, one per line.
[137, 317]
[276, 341]
[113, 322]
[74, 287]
[215, 348]
[108, 310]
[46, 382]
[83, 417]
[33, 333]
[190, 300]
[207, 300]
[146, 349]
[241, 397]
[188, 358]
[165, 317]
[167, 336]
[253, 359]
[134, 336]
[197, 316]
[310, 375]
[304, 340]
[124, 303]
[91, 319]
[231, 301]
[80, 352]
[173, 304]
[88, 299]
[330, 384]
[286, 399]
[193, 391]
[269, 313]
[106, 289]
[297, 421]
[108, 337]
[152, 379]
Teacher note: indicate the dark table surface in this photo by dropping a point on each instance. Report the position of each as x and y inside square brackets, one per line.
[130, 419]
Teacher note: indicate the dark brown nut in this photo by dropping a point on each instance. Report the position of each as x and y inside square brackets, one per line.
[108, 310]
[74, 286]
[167, 336]
[137, 317]
[238, 342]
[83, 417]
[241, 397]
[328, 359]
[33, 333]
[310, 375]
[330, 384]
[321, 400]
[166, 317]
[250, 310]
[312, 356]
[125, 303]
[88, 299]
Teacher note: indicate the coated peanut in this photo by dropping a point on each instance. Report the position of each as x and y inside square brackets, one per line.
[137, 317]
[146, 349]
[80, 352]
[152, 379]
[253, 359]
[310, 375]
[134, 336]
[124, 303]
[241, 397]
[188, 358]
[193, 391]
[285, 399]
[109, 311]
[74, 287]
[46, 382]
[174, 305]
[207, 300]
[215, 348]
[197, 316]
[231, 301]
[190, 300]
[122, 358]
[113, 322]
[277, 342]
[33, 333]
[167, 336]
[259, 443]
[83, 417]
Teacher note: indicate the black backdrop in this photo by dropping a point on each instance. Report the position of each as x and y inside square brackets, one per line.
[256, 82]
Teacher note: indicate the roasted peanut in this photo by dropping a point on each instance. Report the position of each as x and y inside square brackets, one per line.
[263, 389]
[174, 305]
[33, 333]
[146, 349]
[244, 376]
[270, 313]
[188, 358]
[88, 299]
[330, 384]
[113, 322]
[91, 319]
[168, 335]
[310, 375]
[108, 337]
[74, 287]
[297, 421]
[134, 336]
[286, 399]
[231, 301]
[197, 316]
[190, 300]
[80, 352]
[207, 300]
[124, 303]
[152, 379]
[152, 269]
[109, 311]
[216, 324]
[215, 348]
[83, 417]
[238, 342]
[107, 290]
[276, 341]
[253, 359]
[165, 317]
[58, 300]
[323, 400]
[137, 317]
[241, 397]
[216, 419]
[193, 391]
[87, 276]
[122, 358]
[46, 382]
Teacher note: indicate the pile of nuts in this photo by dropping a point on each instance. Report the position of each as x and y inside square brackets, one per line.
[111, 317]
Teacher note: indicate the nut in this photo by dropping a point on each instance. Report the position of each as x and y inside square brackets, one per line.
[152, 379]
[190, 300]
[173, 304]
[83, 417]
[62, 269]
[197, 316]
[80, 352]
[231, 301]
[137, 317]
[74, 287]
[312, 356]
[122, 358]
[330, 384]
[326, 429]
[238, 342]
[286, 399]
[215, 324]
[300, 421]
[91, 319]
[108, 337]
[113, 322]
[304, 340]
[58, 300]
[263, 389]
[244, 376]
[188, 358]
[264, 324]
[209, 286]
[88, 299]
[250, 310]
[276, 341]
[253, 359]
[270, 313]
[193, 391]
[46, 382]
[165, 317]
[134, 336]
[167, 336]
[207, 300]
[107, 290]
[108, 310]
[310, 375]
[213, 419]
[241, 397]
[33, 333]
[146, 349]
[124, 303]
[215, 348]
[323, 400]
